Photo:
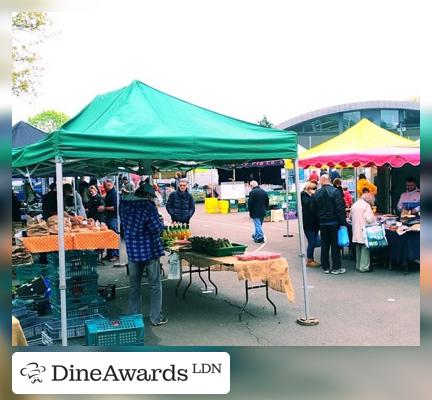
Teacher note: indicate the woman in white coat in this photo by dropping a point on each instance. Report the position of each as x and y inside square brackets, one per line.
[362, 215]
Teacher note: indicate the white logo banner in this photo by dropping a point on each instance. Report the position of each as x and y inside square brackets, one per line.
[120, 373]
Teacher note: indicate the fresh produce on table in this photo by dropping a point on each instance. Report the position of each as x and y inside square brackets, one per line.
[258, 255]
[208, 242]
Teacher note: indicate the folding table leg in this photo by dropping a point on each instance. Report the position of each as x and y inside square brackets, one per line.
[179, 281]
[190, 281]
[214, 285]
[202, 280]
[268, 298]
[247, 300]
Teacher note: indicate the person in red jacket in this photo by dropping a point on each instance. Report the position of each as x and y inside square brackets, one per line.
[347, 197]
[313, 176]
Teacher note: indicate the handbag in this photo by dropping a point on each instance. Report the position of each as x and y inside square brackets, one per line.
[374, 236]
[343, 238]
[174, 266]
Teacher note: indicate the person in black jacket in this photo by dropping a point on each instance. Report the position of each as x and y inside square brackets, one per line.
[329, 205]
[310, 222]
[95, 201]
[258, 203]
[16, 213]
[180, 204]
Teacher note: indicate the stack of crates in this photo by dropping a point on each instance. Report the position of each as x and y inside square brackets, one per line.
[30, 323]
[223, 206]
[211, 205]
[81, 283]
[127, 330]
[26, 272]
[242, 205]
[51, 331]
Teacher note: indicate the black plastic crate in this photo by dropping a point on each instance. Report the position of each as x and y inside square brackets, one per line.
[107, 291]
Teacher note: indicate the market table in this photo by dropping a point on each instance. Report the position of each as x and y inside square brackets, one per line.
[401, 248]
[273, 273]
[85, 240]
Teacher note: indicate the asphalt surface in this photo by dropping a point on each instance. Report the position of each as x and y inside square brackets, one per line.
[354, 309]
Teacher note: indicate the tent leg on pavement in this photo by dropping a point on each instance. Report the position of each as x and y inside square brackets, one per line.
[307, 320]
[61, 251]
[288, 234]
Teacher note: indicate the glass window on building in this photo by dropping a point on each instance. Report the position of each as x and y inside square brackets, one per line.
[349, 119]
[389, 119]
[411, 118]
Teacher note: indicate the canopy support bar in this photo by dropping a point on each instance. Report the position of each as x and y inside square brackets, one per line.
[61, 250]
[307, 320]
[288, 234]
[118, 202]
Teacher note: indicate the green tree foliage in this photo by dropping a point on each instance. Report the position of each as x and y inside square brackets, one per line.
[265, 122]
[48, 121]
[28, 30]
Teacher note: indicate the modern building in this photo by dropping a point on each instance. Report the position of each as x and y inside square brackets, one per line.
[402, 117]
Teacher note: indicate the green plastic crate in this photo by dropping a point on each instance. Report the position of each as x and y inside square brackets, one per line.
[26, 272]
[127, 330]
[78, 263]
[78, 290]
[97, 305]
[236, 248]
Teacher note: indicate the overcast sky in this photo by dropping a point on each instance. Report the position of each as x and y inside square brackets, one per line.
[243, 59]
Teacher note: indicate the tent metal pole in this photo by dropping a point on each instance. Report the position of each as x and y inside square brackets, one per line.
[74, 195]
[234, 175]
[61, 250]
[306, 320]
[288, 234]
[355, 182]
[211, 179]
[118, 202]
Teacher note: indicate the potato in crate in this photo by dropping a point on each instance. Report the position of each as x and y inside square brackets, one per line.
[127, 330]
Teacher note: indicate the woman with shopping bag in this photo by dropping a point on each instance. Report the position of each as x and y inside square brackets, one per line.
[362, 215]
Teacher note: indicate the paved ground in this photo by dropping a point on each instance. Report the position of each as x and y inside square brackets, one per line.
[380, 308]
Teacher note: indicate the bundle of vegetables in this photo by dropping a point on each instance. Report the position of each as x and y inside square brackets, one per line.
[208, 242]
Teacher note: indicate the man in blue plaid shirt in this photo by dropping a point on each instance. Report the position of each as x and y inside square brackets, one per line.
[142, 228]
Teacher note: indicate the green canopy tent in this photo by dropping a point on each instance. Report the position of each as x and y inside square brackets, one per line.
[142, 128]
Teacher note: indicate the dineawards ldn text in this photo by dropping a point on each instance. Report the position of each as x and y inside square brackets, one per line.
[112, 374]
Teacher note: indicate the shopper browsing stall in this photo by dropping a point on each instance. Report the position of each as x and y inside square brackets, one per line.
[180, 204]
[95, 201]
[142, 227]
[362, 215]
[110, 214]
[310, 222]
[347, 197]
[258, 203]
[70, 199]
[330, 208]
[363, 184]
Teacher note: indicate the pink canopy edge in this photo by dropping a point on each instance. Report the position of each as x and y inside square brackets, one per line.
[395, 156]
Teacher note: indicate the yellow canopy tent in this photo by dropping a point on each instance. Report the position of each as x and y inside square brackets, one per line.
[350, 146]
